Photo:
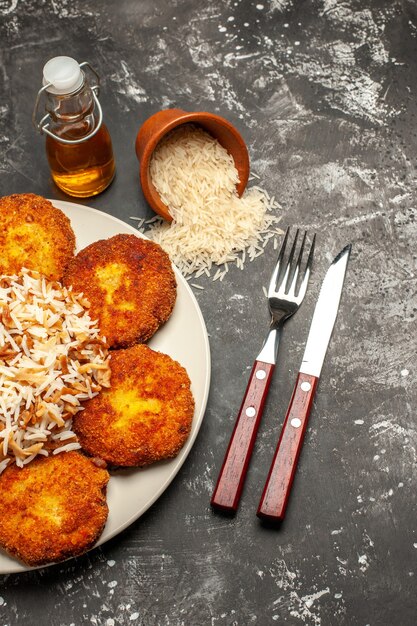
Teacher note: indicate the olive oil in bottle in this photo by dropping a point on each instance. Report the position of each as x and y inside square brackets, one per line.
[78, 143]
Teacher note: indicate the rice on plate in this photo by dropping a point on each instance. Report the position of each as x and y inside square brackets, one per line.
[52, 357]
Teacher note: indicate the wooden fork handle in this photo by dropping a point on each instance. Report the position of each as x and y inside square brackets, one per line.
[232, 475]
[277, 488]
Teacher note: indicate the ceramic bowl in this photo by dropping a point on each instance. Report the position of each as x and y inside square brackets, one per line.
[159, 124]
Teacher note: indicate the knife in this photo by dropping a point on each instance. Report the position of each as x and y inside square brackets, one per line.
[277, 488]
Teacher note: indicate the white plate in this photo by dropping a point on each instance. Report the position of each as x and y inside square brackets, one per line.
[184, 338]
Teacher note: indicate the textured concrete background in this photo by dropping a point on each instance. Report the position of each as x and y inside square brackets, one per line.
[325, 93]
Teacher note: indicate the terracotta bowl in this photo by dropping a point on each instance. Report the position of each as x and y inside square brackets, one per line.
[159, 124]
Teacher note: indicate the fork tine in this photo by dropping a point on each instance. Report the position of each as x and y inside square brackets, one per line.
[285, 280]
[303, 286]
[275, 273]
[292, 287]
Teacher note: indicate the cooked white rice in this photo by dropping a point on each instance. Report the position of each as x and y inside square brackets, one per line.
[196, 178]
[51, 359]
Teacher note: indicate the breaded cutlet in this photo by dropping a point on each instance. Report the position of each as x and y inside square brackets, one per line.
[34, 234]
[53, 508]
[130, 284]
[146, 414]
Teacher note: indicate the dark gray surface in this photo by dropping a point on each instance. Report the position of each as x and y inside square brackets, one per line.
[324, 92]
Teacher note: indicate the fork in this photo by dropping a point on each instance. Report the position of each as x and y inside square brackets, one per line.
[283, 301]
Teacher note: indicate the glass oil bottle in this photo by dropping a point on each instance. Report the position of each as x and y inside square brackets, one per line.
[78, 143]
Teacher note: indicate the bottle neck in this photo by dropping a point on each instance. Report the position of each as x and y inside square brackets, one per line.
[70, 108]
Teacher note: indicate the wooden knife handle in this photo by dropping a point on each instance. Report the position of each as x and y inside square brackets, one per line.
[281, 474]
[229, 485]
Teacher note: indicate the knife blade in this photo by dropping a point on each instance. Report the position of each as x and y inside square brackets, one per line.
[275, 495]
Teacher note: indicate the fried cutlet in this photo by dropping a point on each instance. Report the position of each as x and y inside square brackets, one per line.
[146, 414]
[34, 234]
[130, 284]
[53, 508]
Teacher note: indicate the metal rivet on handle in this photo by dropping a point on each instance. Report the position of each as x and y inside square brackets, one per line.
[260, 374]
[250, 411]
[305, 386]
[296, 422]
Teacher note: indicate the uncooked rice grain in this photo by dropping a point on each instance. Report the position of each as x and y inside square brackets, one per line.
[196, 178]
